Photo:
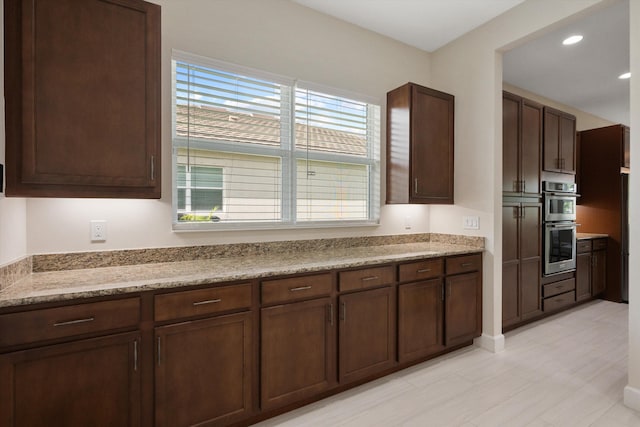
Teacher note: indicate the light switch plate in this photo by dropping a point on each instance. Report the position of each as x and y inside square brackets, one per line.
[471, 222]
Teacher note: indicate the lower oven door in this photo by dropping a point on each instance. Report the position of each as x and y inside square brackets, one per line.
[559, 247]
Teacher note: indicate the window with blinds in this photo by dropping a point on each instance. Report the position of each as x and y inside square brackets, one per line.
[252, 149]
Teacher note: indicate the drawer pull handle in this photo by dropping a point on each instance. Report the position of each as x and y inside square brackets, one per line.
[466, 264]
[209, 301]
[300, 288]
[424, 270]
[74, 322]
[559, 287]
[367, 279]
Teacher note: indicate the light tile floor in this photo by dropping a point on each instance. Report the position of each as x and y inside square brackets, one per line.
[566, 370]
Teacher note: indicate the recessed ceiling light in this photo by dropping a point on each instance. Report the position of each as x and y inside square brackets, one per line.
[625, 76]
[572, 40]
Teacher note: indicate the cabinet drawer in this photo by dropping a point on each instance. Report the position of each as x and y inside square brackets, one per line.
[583, 246]
[599, 244]
[294, 288]
[463, 264]
[366, 278]
[420, 270]
[201, 301]
[52, 323]
[559, 301]
[560, 287]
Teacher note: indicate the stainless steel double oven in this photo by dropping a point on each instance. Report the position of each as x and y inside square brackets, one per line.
[560, 201]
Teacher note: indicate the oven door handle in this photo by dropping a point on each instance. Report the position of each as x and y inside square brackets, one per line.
[572, 225]
[551, 193]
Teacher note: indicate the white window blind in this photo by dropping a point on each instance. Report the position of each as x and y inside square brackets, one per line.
[252, 149]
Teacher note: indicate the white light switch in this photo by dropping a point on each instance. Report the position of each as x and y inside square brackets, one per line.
[98, 230]
[471, 222]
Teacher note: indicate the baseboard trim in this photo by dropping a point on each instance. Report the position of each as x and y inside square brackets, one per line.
[492, 343]
[632, 397]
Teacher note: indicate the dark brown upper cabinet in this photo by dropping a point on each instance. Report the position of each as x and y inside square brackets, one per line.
[559, 141]
[522, 146]
[82, 88]
[419, 145]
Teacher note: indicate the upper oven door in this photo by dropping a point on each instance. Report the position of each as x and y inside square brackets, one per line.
[559, 207]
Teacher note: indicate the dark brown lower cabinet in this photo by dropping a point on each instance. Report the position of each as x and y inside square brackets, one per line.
[599, 272]
[367, 333]
[583, 276]
[204, 371]
[298, 354]
[420, 319]
[92, 382]
[463, 308]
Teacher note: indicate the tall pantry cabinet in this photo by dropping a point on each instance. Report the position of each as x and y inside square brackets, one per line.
[522, 209]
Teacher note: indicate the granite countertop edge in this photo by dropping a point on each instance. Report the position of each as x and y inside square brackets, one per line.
[53, 286]
[587, 236]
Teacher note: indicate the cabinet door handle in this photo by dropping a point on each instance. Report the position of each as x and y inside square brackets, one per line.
[369, 278]
[209, 301]
[135, 355]
[74, 322]
[153, 168]
[344, 311]
[522, 186]
[158, 350]
[331, 314]
[442, 293]
[415, 185]
[466, 264]
[299, 288]
[423, 270]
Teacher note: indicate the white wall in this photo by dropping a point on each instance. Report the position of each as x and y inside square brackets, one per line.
[471, 69]
[272, 35]
[632, 391]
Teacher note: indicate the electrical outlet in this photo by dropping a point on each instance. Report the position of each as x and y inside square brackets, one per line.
[407, 222]
[471, 222]
[98, 230]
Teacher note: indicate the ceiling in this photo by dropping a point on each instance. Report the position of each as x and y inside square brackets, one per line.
[584, 76]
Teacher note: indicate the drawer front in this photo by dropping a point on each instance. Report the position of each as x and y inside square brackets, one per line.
[426, 269]
[201, 301]
[366, 278]
[79, 319]
[599, 244]
[560, 287]
[294, 288]
[463, 264]
[583, 246]
[559, 301]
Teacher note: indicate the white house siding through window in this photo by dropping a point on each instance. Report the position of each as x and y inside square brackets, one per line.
[249, 150]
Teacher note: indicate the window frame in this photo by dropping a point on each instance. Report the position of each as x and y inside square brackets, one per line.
[287, 152]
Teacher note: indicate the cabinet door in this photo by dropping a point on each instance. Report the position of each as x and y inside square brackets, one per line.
[510, 294]
[367, 333]
[431, 146]
[531, 147]
[583, 276]
[420, 319]
[204, 371]
[568, 144]
[551, 155]
[530, 260]
[84, 109]
[599, 272]
[626, 147]
[298, 351]
[94, 382]
[463, 308]
[510, 143]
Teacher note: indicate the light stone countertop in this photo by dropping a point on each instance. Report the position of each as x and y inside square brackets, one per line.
[583, 236]
[86, 283]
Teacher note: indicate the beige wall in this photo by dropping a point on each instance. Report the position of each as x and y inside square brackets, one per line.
[584, 120]
[632, 391]
[471, 69]
[278, 36]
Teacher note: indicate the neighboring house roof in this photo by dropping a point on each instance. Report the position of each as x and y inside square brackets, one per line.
[204, 122]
